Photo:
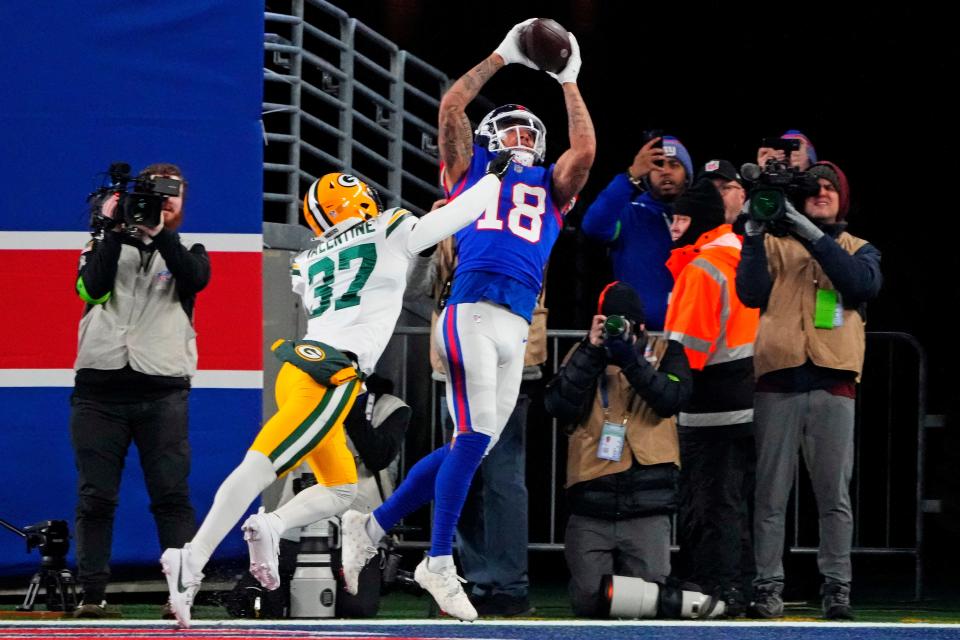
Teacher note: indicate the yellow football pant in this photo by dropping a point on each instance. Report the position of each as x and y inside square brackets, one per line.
[309, 426]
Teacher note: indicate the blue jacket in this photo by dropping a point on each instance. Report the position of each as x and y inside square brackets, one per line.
[637, 227]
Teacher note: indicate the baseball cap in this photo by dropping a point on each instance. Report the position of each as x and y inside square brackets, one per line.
[720, 169]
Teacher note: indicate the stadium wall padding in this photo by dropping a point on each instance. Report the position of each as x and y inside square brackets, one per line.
[88, 84]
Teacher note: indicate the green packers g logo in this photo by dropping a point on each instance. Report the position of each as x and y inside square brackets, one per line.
[310, 352]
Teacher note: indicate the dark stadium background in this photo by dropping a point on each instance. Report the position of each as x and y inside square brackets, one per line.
[872, 90]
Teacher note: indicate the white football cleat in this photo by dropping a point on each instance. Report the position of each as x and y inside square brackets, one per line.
[358, 548]
[446, 590]
[182, 583]
[263, 543]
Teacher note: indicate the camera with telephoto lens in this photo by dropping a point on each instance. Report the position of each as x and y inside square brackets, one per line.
[140, 199]
[617, 327]
[632, 598]
[773, 185]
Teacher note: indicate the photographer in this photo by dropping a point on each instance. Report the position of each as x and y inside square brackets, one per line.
[811, 279]
[618, 395]
[136, 354]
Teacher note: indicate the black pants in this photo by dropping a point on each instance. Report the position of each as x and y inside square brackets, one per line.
[101, 433]
[715, 517]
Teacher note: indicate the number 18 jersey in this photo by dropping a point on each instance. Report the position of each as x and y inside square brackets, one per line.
[501, 256]
[352, 285]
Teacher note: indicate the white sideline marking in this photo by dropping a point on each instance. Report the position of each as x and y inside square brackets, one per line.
[198, 625]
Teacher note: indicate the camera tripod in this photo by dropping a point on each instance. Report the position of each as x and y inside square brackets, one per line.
[52, 538]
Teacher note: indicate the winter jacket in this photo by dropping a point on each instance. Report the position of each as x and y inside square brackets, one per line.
[646, 394]
[637, 227]
[782, 275]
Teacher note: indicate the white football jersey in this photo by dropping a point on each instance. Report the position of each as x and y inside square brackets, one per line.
[352, 285]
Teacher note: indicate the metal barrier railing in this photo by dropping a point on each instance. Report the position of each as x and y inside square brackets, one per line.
[339, 95]
[887, 522]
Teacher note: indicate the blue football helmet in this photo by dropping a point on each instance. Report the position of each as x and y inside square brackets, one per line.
[529, 136]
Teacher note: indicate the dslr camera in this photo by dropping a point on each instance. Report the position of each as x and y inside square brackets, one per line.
[776, 182]
[617, 327]
[140, 203]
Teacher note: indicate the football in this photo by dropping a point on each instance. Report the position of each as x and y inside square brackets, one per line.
[547, 44]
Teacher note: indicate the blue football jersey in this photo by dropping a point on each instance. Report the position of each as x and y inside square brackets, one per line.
[502, 256]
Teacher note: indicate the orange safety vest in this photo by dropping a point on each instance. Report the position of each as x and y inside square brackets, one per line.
[709, 320]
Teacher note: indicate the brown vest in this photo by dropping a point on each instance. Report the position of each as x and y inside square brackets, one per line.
[786, 336]
[650, 438]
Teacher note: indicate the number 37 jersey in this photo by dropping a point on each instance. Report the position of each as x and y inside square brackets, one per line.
[352, 285]
[502, 256]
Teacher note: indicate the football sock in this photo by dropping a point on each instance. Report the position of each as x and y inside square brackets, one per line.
[453, 482]
[316, 503]
[233, 498]
[438, 563]
[415, 491]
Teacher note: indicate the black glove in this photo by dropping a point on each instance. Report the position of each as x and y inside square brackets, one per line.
[621, 352]
[498, 166]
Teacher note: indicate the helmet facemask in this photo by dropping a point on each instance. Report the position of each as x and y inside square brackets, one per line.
[510, 125]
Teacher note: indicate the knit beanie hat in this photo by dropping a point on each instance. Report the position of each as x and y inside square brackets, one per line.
[798, 135]
[832, 173]
[673, 148]
[703, 203]
[619, 298]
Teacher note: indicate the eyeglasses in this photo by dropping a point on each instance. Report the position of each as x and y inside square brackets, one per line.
[732, 186]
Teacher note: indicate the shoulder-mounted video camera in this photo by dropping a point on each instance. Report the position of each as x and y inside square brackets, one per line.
[774, 184]
[140, 199]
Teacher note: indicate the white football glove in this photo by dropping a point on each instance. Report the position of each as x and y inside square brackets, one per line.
[572, 70]
[510, 50]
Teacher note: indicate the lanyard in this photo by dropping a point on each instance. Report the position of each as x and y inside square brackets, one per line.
[605, 400]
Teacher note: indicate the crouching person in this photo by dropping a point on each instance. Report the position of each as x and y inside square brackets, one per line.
[618, 393]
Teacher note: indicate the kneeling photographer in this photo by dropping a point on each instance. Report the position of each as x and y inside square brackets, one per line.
[811, 280]
[136, 354]
[618, 393]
